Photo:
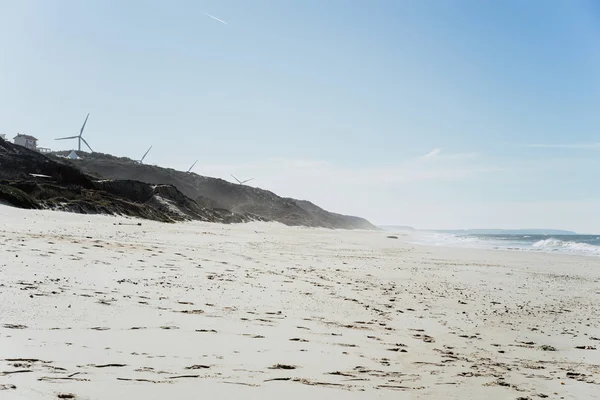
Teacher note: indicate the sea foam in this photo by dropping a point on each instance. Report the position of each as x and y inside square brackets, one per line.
[557, 245]
[530, 243]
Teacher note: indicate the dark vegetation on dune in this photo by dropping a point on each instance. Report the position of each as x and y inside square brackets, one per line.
[104, 184]
[218, 193]
[64, 187]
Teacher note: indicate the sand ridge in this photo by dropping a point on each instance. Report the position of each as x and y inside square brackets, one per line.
[101, 307]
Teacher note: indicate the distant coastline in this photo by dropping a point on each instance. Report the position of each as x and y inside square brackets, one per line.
[481, 231]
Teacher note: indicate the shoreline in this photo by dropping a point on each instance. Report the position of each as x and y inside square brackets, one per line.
[261, 310]
[498, 247]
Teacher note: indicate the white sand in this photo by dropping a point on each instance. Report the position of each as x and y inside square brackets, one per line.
[359, 315]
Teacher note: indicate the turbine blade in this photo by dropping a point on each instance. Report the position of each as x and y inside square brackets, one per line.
[247, 180]
[70, 137]
[146, 153]
[192, 166]
[238, 181]
[83, 126]
[86, 143]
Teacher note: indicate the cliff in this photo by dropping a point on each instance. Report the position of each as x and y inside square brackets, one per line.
[31, 180]
[217, 193]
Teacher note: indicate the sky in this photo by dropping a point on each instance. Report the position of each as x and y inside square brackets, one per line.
[449, 114]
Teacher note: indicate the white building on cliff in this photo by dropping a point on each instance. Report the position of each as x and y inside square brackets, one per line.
[26, 141]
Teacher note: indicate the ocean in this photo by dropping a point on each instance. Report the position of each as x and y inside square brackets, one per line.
[568, 244]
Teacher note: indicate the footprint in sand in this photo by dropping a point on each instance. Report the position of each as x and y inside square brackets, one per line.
[298, 340]
[15, 326]
[254, 336]
[398, 349]
[112, 365]
[425, 338]
[198, 366]
[283, 366]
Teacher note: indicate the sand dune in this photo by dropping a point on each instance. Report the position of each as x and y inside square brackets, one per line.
[95, 307]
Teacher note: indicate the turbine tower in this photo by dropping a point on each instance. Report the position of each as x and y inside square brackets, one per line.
[80, 136]
[189, 170]
[144, 156]
[241, 182]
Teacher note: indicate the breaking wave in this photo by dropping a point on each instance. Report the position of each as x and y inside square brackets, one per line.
[557, 245]
[567, 244]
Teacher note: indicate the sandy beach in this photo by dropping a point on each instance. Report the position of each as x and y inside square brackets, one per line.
[98, 307]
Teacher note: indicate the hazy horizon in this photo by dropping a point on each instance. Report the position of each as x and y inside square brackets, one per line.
[522, 230]
[435, 115]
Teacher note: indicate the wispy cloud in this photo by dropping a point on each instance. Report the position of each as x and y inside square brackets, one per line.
[433, 153]
[581, 146]
[438, 155]
[215, 18]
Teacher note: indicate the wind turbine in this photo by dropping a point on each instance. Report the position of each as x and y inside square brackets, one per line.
[144, 156]
[241, 182]
[81, 139]
[189, 170]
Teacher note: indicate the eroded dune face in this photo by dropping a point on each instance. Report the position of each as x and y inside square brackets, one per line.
[217, 193]
[103, 307]
[103, 184]
[32, 180]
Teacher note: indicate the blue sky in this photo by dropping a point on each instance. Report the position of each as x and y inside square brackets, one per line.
[445, 114]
